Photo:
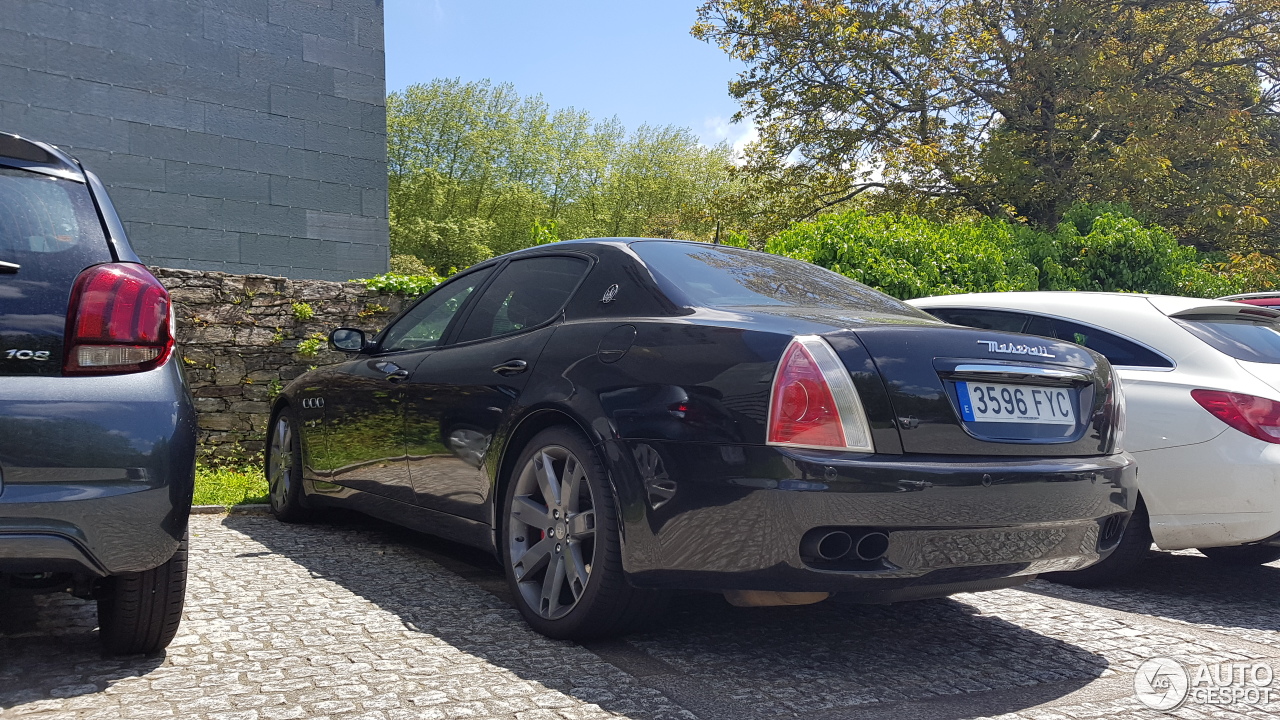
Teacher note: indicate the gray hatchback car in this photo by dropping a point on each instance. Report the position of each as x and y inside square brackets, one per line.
[97, 430]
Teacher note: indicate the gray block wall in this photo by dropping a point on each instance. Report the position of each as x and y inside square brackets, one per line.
[247, 136]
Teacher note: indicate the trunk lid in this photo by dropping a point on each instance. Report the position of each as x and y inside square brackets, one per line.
[1268, 373]
[963, 391]
[49, 230]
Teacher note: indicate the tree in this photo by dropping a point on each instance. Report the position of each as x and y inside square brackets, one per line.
[477, 169]
[1019, 108]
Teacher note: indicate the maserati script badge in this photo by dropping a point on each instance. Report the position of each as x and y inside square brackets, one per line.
[1011, 349]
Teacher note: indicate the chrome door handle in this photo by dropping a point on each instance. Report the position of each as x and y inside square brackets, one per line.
[394, 372]
[511, 367]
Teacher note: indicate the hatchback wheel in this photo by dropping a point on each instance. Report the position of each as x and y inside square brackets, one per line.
[139, 613]
[1242, 555]
[284, 470]
[560, 543]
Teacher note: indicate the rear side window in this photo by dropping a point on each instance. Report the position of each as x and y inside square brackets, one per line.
[1116, 350]
[526, 293]
[1243, 339]
[984, 319]
[716, 276]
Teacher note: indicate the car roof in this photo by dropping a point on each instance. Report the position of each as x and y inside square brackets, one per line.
[1251, 296]
[623, 242]
[19, 152]
[1047, 301]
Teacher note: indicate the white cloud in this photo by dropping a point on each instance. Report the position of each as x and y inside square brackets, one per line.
[739, 135]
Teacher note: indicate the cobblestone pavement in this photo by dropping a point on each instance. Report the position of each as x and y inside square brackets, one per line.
[351, 618]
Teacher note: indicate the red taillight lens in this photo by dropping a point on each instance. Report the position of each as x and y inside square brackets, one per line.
[814, 403]
[117, 322]
[1254, 416]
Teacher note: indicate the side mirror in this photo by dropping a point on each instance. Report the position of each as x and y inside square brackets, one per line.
[348, 340]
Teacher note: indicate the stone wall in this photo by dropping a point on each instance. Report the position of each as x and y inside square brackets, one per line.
[243, 337]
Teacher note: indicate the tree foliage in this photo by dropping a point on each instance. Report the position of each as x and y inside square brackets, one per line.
[1019, 108]
[477, 169]
[1098, 248]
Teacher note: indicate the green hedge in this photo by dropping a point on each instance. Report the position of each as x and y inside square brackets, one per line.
[1095, 248]
[910, 257]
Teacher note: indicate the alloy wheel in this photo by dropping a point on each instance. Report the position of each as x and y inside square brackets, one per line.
[552, 531]
[280, 465]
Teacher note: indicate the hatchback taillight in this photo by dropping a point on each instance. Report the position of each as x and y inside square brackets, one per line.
[118, 321]
[1251, 415]
[813, 403]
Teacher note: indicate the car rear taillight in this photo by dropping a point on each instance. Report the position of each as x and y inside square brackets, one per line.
[1254, 416]
[118, 321]
[813, 403]
[1115, 412]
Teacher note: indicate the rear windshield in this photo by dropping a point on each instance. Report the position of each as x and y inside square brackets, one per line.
[1243, 339]
[716, 276]
[46, 222]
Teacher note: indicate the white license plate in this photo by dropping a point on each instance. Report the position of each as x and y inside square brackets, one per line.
[995, 402]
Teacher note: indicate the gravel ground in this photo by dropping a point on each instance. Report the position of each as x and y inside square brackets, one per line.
[352, 618]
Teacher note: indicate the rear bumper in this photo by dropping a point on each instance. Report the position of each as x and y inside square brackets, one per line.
[97, 472]
[738, 514]
[1218, 493]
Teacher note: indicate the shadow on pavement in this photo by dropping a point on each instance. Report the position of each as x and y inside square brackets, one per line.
[49, 645]
[1190, 588]
[714, 659]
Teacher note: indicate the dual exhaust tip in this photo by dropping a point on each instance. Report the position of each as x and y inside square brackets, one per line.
[833, 545]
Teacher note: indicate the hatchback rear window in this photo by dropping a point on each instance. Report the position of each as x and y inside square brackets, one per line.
[46, 220]
[716, 276]
[1243, 339]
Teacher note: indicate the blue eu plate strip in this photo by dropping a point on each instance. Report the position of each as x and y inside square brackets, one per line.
[966, 407]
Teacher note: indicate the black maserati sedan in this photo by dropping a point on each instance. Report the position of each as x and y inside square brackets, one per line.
[618, 418]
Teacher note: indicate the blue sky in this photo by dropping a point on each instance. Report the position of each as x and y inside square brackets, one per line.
[631, 58]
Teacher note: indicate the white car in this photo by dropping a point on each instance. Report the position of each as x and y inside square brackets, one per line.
[1202, 382]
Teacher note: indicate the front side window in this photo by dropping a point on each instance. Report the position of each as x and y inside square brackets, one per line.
[526, 293]
[1243, 339]
[425, 325]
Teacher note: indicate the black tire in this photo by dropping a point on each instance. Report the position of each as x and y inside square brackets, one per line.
[1134, 546]
[139, 613]
[607, 605]
[282, 466]
[1242, 555]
